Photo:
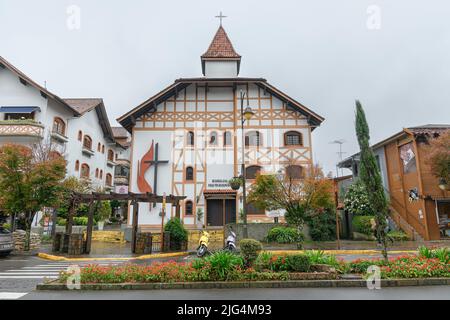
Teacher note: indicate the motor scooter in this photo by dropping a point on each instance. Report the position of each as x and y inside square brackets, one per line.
[203, 243]
[230, 243]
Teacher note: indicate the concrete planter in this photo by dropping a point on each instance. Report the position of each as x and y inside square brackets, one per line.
[249, 284]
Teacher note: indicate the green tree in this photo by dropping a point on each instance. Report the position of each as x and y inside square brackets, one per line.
[29, 183]
[371, 178]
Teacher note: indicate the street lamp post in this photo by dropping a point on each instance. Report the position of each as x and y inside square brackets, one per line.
[245, 116]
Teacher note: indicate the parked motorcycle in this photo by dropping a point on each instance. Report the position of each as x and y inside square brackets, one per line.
[230, 243]
[203, 244]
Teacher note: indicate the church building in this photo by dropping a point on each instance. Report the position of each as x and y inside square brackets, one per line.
[187, 141]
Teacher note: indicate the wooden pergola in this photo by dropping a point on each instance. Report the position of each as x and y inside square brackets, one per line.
[94, 199]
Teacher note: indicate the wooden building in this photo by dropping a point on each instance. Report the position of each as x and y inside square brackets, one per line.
[187, 140]
[418, 205]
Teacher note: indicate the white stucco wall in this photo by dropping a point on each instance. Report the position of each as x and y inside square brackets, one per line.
[221, 69]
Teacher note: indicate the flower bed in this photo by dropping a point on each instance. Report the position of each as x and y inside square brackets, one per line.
[226, 266]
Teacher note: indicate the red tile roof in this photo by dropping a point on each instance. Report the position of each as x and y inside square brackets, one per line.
[221, 47]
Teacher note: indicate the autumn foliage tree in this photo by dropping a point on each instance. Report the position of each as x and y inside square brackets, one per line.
[301, 198]
[29, 182]
[438, 156]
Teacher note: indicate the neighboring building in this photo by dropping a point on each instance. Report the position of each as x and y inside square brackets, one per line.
[194, 125]
[417, 203]
[77, 129]
[122, 170]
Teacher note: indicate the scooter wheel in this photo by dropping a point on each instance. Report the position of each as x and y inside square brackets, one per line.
[201, 251]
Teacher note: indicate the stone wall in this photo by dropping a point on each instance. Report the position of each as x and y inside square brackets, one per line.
[259, 231]
[19, 240]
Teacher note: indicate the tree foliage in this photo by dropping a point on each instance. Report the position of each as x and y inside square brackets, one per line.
[371, 178]
[356, 200]
[438, 156]
[28, 183]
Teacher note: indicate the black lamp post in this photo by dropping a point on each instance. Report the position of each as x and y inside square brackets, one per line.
[246, 115]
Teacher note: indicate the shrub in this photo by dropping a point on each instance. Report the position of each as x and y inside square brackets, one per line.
[80, 221]
[319, 257]
[397, 236]
[362, 224]
[249, 249]
[298, 262]
[177, 231]
[285, 235]
[322, 227]
[222, 263]
[61, 222]
[415, 267]
[263, 261]
[356, 200]
[442, 254]
[7, 226]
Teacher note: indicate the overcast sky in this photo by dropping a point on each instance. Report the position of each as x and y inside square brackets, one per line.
[393, 55]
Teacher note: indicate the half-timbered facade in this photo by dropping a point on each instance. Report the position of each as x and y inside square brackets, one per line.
[187, 140]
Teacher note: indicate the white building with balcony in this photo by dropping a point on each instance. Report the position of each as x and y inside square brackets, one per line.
[77, 129]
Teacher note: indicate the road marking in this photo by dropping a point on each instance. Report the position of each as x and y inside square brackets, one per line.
[11, 295]
[27, 273]
[27, 277]
[33, 270]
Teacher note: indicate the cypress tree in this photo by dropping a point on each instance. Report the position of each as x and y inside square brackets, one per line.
[371, 178]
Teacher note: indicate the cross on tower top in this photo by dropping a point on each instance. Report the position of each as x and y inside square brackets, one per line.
[221, 16]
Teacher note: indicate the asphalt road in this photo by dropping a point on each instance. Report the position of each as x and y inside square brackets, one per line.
[399, 293]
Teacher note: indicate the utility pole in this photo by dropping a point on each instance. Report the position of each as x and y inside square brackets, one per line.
[340, 142]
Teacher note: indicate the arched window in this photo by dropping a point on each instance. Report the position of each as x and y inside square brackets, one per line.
[252, 171]
[85, 171]
[110, 155]
[190, 138]
[96, 173]
[103, 149]
[87, 142]
[189, 174]
[54, 155]
[108, 180]
[80, 135]
[99, 147]
[77, 165]
[293, 138]
[189, 208]
[59, 126]
[227, 138]
[101, 174]
[294, 171]
[253, 138]
[213, 138]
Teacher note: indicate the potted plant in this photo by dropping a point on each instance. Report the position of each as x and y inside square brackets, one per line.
[235, 183]
[103, 212]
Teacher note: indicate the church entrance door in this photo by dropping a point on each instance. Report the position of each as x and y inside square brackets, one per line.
[220, 210]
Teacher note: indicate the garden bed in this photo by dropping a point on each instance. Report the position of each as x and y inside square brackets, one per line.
[265, 270]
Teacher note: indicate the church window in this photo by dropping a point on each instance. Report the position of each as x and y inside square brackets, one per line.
[189, 174]
[59, 126]
[253, 138]
[252, 171]
[110, 155]
[85, 171]
[227, 138]
[293, 138]
[189, 206]
[108, 179]
[80, 135]
[190, 138]
[213, 138]
[294, 172]
[87, 142]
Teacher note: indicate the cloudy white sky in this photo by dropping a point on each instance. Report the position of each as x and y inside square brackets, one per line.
[393, 55]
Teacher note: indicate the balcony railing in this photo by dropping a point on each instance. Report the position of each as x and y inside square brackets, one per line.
[26, 128]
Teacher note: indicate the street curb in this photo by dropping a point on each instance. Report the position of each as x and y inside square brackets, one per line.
[51, 257]
[337, 252]
[52, 286]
